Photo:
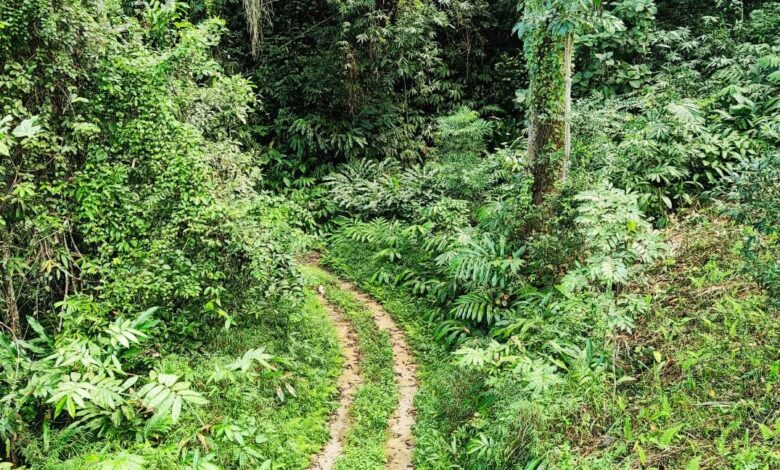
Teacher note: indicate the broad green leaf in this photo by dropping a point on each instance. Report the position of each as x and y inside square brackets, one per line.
[27, 128]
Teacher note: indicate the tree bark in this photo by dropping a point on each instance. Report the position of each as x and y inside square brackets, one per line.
[545, 59]
[568, 53]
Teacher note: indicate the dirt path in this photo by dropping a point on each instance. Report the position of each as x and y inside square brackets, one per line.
[349, 381]
[400, 444]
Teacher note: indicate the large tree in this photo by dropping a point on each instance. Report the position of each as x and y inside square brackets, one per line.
[547, 29]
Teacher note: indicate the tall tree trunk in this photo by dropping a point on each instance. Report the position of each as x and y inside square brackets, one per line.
[568, 57]
[546, 59]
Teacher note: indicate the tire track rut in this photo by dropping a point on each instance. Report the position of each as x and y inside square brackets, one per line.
[348, 383]
[400, 443]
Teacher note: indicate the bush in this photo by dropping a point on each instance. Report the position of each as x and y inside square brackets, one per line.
[753, 201]
[128, 192]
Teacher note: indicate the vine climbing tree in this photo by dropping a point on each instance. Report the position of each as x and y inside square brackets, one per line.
[547, 29]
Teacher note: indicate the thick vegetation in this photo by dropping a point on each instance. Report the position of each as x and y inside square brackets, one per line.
[570, 205]
[132, 226]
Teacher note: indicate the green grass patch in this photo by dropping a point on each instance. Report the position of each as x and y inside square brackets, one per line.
[377, 398]
[258, 419]
[706, 359]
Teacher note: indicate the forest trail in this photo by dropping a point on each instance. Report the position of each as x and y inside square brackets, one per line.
[400, 444]
[349, 381]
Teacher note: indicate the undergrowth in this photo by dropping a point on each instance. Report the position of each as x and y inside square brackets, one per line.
[695, 383]
[706, 358]
[261, 417]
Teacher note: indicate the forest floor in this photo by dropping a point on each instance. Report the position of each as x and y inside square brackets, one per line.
[348, 309]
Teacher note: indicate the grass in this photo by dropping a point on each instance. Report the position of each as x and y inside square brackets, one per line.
[251, 420]
[376, 399]
[706, 359]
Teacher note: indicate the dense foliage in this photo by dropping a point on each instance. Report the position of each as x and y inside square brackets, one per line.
[549, 304]
[131, 220]
[571, 205]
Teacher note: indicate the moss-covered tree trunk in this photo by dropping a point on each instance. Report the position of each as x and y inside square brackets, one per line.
[546, 58]
[568, 58]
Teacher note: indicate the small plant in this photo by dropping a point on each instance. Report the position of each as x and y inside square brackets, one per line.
[616, 236]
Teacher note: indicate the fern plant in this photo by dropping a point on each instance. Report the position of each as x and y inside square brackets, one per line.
[617, 239]
[482, 275]
[83, 378]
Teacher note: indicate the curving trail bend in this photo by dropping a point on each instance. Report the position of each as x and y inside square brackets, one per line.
[400, 444]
